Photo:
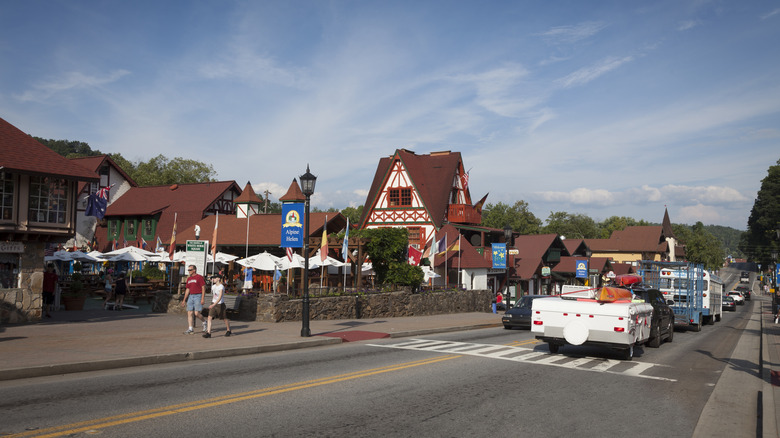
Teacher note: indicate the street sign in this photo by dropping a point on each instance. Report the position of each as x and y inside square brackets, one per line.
[196, 254]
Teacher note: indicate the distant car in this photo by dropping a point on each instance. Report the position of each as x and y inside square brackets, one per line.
[745, 292]
[519, 316]
[744, 277]
[729, 304]
[737, 295]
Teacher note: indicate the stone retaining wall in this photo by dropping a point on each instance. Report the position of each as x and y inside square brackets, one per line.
[281, 308]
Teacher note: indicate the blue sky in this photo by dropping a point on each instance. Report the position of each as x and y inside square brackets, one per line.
[595, 107]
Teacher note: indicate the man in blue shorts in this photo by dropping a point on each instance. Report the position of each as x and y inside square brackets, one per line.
[194, 297]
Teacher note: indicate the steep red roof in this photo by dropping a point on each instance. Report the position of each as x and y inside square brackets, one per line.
[431, 175]
[21, 153]
[294, 193]
[468, 256]
[531, 250]
[248, 196]
[94, 163]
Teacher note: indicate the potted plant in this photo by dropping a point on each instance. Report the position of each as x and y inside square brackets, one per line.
[74, 297]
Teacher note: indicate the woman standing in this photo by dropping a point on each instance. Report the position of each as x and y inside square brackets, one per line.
[121, 290]
[108, 287]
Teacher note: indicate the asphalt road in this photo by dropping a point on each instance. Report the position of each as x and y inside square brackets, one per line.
[489, 382]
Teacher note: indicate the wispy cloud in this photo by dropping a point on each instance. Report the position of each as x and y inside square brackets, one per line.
[678, 194]
[69, 81]
[687, 25]
[770, 14]
[587, 74]
[573, 33]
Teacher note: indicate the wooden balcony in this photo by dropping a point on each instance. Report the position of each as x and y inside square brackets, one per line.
[463, 214]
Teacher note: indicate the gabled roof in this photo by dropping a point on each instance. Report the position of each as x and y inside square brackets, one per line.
[21, 153]
[431, 175]
[95, 162]
[576, 246]
[186, 202]
[568, 264]
[531, 249]
[644, 238]
[264, 229]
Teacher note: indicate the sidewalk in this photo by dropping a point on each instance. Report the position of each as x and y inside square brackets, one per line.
[97, 339]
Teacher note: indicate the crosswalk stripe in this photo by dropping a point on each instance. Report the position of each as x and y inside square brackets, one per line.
[528, 355]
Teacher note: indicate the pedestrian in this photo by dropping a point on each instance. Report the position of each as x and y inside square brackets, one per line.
[499, 301]
[120, 291]
[49, 288]
[194, 295]
[108, 287]
[217, 307]
[248, 280]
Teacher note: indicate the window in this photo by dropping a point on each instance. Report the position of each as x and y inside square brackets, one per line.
[399, 197]
[113, 229]
[130, 229]
[415, 237]
[48, 200]
[148, 228]
[6, 197]
[9, 271]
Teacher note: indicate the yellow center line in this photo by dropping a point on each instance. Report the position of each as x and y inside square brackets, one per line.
[522, 343]
[132, 417]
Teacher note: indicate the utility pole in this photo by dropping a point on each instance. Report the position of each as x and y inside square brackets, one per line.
[265, 209]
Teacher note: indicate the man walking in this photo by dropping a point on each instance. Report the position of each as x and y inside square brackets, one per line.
[193, 298]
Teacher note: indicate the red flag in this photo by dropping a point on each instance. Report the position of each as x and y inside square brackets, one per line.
[414, 256]
[172, 247]
[214, 238]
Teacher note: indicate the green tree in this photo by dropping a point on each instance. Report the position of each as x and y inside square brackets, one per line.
[573, 226]
[162, 171]
[68, 148]
[700, 246]
[617, 223]
[517, 216]
[405, 274]
[762, 237]
[385, 247]
[353, 214]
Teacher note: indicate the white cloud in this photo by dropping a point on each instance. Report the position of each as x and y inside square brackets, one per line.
[687, 25]
[68, 81]
[573, 33]
[705, 214]
[714, 196]
[587, 74]
[770, 14]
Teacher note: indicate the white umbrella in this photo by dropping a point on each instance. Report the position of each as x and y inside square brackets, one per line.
[59, 256]
[131, 249]
[128, 256]
[221, 257]
[316, 261]
[264, 261]
[297, 262]
[81, 256]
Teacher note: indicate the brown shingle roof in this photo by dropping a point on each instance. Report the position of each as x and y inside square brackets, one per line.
[468, 255]
[94, 163]
[248, 196]
[431, 175]
[294, 193]
[21, 153]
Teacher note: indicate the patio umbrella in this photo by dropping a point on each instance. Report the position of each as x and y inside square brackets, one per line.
[130, 249]
[297, 262]
[221, 258]
[59, 256]
[264, 261]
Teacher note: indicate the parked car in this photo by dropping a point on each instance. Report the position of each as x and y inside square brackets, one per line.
[519, 316]
[745, 291]
[729, 304]
[662, 322]
[738, 297]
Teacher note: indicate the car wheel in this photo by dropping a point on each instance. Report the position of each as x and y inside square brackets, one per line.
[507, 327]
[553, 347]
[655, 337]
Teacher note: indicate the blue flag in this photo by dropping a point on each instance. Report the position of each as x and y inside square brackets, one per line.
[345, 244]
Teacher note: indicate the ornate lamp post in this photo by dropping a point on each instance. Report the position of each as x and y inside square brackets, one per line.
[508, 240]
[307, 187]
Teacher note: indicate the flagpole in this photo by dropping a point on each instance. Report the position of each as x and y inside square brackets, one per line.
[459, 260]
[446, 279]
[433, 256]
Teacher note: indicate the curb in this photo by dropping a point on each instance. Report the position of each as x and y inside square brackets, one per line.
[100, 365]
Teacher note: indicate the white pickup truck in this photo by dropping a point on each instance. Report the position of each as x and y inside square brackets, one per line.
[604, 317]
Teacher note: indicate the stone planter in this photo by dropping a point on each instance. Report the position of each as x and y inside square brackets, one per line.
[74, 303]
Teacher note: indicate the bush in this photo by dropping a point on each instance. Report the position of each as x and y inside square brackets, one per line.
[404, 274]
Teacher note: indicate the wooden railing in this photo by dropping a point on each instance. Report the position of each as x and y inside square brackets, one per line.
[463, 214]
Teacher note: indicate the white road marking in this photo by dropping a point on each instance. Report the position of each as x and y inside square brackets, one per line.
[527, 355]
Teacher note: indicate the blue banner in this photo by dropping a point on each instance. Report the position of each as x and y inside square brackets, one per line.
[292, 225]
[499, 255]
[581, 268]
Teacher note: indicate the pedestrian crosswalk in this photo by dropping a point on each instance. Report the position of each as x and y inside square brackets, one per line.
[526, 354]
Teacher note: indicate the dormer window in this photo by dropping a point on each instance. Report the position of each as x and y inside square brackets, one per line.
[399, 197]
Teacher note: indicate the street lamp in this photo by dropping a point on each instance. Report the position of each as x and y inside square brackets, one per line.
[508, 240]
[307, 187]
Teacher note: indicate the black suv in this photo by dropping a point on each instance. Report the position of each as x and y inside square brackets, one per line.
[745, 291]
[662, 324]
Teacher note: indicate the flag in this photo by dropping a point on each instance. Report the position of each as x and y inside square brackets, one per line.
[124, 243]
[159, 246]
[441, 245]
[414, 256]
[455, 246]
[143, 243]
[324, 243]
[464, 179]
[289, 253]
[345, 244]
[113, 246]
[172, 248]
[478, 205]
[98, 202]
[214, 238]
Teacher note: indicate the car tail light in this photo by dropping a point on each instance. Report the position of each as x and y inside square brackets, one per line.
[538, 323]
[620, 318]
[620, 329]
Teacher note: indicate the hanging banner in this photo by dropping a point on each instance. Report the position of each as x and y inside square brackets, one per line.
[292, 225]
[499, 255]
[581, 268]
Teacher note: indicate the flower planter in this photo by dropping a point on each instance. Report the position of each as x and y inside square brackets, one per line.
[74, 303]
